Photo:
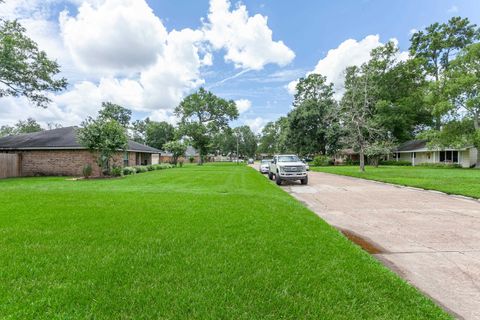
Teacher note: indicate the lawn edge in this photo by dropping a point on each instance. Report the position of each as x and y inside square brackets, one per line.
[406, 186]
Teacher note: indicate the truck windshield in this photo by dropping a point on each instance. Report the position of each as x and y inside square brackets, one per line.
[288, 159]
[266, 161]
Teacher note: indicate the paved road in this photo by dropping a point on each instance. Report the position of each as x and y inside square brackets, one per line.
[430, 239]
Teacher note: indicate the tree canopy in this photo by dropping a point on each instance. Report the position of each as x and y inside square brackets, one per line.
[104, 137]
[25, 70]
[203, 114]
[115, 112]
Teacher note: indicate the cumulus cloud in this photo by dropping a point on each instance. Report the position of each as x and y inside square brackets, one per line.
[247, 40]
[116, 34]
[243, 105]
[349, 53]
[177, 70]
[120, 51]
[256, 124]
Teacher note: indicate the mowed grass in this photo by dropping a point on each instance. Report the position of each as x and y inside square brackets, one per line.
[210, 242]
[464, 182]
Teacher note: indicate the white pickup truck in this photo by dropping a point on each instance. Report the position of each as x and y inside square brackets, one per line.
[287, 167]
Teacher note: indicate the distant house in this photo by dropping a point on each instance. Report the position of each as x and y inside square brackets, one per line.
[346, 155]
[190, 152]
[57, 152]
[417, 152]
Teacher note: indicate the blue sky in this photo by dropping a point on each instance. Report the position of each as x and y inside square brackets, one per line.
[127, 50]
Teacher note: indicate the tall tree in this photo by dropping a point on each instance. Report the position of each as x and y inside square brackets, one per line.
[464, 88]
[247, 141]
[357, 108]
[202, 114]
[28, 126]
[22, 126]
[139, 130]
[24, 69]
[115, 112]
[268, 142]
[224, 142]
[313, 123]
[399, 92]
[159, 133]
[434, 48]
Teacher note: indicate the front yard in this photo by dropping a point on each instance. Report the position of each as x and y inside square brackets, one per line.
[196, 242]
[450, 180]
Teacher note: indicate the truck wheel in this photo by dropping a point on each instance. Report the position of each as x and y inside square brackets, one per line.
[278, 180]
[270, 175]
[305, 180]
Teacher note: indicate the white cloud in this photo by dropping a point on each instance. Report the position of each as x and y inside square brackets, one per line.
[243, 105]
[176, 72]
[120, 51]
[247, 40]
[117, 34]
[453, 9]
[164, 115]
[349, 53]
[256, 124]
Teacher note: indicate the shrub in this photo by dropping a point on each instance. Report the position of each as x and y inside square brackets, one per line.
[439, 165]
[141, 169]
[322, 161]
[191, 159]
[129, 170]
[87, 171]
[395, 163]
[180, 163]
[116, 171]
[350, 162]
[150, 167]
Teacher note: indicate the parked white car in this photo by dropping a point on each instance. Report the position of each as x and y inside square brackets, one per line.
[264, 164]
[287, 167]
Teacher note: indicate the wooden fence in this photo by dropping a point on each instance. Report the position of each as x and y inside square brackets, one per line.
[9, 165]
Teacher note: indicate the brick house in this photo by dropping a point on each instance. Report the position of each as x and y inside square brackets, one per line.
[58, 153]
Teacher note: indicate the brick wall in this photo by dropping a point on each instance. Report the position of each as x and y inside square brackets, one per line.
[64, 162]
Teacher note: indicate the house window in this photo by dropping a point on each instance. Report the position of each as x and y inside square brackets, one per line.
[455, 156]
[449, 156]
[125, 159]
[414, 155]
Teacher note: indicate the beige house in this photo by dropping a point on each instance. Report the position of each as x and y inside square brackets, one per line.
[417, 152]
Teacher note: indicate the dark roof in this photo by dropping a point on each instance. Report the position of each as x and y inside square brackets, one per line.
[412, 145]
[61, 138]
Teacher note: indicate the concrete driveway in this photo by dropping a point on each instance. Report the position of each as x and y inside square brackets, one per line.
[430, 239]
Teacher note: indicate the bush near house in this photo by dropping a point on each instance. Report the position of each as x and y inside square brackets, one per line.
[322, 161]
[439, 165]
[116, 171]
[140, 169]
[395, 163]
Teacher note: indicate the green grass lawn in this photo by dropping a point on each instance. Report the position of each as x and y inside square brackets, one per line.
[450, 180]
[211, 242]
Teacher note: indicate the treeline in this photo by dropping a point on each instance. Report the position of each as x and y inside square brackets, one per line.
[434, 94]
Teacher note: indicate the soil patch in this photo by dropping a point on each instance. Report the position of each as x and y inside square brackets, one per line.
[363, 243]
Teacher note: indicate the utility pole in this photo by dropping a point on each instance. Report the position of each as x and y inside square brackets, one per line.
[237, 148]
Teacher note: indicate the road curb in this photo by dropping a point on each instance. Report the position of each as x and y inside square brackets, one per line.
[457, 196]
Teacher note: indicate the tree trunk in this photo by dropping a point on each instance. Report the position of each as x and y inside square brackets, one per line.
[362, 161]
